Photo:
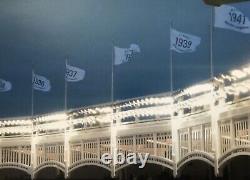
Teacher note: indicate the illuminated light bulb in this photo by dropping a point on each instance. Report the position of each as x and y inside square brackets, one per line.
[247, 70]
[218, 80]
[199, 88]
[238, 74]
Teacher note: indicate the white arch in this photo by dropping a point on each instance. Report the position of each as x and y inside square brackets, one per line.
[154, 160]
[88, 162]
[196, 155]
[238, 151]
[47, 164]
[11, 165]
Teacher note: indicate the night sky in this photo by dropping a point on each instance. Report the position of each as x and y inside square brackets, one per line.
[45, 32]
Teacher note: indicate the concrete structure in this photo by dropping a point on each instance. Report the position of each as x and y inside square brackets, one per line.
[208, 122]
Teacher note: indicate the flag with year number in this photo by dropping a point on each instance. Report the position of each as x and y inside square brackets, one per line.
[229, 17]
[183, 42]
[74, 74]
[5, 85]
[41, 83]
[123, 55]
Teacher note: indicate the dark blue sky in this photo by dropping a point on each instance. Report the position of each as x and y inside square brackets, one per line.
[46, 31]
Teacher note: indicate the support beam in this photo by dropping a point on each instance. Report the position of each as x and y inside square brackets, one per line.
[232, 134]
[189, 139]
[66, 151]
[1, 155]
[248, 122]
[155, 143]
[202, 137]
[98, 149]
[134, 143]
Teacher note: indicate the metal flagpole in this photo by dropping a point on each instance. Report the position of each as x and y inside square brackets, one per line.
[171, 61]
[65, 87]
[32, 92]
[173, 123]
[66, 138]
[211, 42]
[33, 145]
[214, 111]
[113, 123]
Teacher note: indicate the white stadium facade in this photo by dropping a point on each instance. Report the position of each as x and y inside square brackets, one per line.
[209, 122]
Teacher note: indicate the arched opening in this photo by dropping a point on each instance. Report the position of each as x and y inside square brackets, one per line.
[236, 168]
[150, 171]
[196, 170]
[90, 172]
[49, 173]
[13, 174]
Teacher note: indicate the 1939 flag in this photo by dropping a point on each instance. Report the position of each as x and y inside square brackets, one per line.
[183, 42]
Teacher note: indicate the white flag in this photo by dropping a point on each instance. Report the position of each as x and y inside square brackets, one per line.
[135, 48]
[123, 55]
[5, 85]
[183, 42]
[74, 74]
[229, 17]
[41, 83]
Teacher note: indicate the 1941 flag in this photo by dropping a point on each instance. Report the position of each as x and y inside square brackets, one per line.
[74, 74]
[5, 85]
[229, 17]
[123, 55]
[183, 42]
[41, 83]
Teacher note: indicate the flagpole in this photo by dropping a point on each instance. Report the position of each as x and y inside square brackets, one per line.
[171, 61]
[65, 87]
[32, 92]
[211, 42]
[113, 123]
[112, 118]
[112, 78]
[33, 153]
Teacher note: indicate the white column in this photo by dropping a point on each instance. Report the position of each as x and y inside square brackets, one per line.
[44, 153]
[189, 139]
[215, 112]
[202, 137]
[66, 153]
[33, 151]
[113, 144]
[175, 140]
[1, 155]
[19, 154]
[98, 149]
[232, 134]
[155, 143]
[81, 150]
[134, 143]
[248, 127]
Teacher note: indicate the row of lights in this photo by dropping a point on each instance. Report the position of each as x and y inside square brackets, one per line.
[236, 88]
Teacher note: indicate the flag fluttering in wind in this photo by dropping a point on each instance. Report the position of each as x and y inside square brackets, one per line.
[74, 74]
[123, 55]
[183, 42]
[229, 17]
[41, 83]
[5, 85]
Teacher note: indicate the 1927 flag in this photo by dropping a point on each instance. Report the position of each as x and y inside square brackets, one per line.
[123, 55]
[229, 17]
[5, 85]
[74, 74]
[183, 42]
[41, 83]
